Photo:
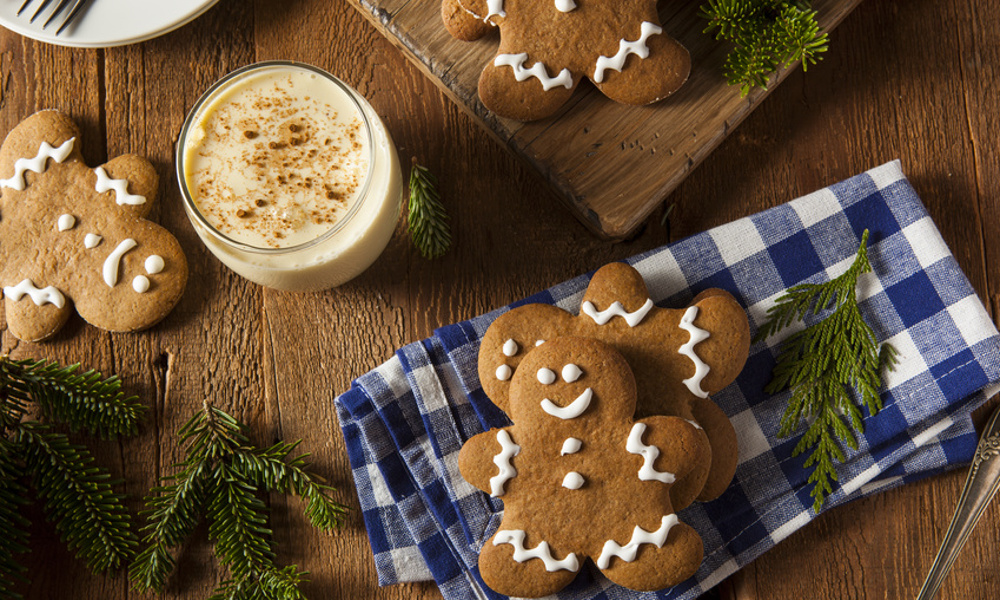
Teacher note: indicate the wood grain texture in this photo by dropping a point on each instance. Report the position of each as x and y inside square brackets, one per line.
[915, 80]
[611, 164]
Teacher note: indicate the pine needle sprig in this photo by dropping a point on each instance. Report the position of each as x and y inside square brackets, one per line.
[766, 35]
[821, 364]
[428, 220]
[221, 478]
[77, 494]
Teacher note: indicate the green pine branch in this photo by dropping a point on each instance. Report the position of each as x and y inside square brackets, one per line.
[428, 221]
[766, 35]
[77, 494]
[222, 477]
[821, 365]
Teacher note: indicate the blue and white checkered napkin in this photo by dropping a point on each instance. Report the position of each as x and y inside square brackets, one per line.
[405, 421]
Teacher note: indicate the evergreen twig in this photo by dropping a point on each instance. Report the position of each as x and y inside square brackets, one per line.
[821, 363]
[221, 477]
[428, 221]
[766, 35]
[78, 495]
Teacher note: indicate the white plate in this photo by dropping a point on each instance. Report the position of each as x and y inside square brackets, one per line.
[105, 23]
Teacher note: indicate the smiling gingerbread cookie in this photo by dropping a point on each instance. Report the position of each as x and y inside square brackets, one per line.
[575, 450]
[548, 46]
[679, 357]
[72, 236]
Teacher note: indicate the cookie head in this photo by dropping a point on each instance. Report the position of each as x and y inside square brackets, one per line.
[75, 237]
[573, 380]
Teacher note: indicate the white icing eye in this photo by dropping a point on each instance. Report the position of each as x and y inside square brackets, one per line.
[154, 264]
[546, 376]
[573, 480]
[571, 373]
[65, 222]
[510, 348]
[504, 372]
[539, 343]
[92, 240]
[140, 284]
[570, 445]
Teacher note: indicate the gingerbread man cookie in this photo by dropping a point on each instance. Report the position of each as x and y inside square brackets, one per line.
[548, 46]
[679, 358]
[579, 478]
[76, 237]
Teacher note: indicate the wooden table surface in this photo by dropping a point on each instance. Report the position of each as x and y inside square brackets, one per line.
[916, 80]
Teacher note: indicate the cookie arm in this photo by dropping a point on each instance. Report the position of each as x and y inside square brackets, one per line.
[681, 444]
[476, 460]
[128, 181]
[729, 339]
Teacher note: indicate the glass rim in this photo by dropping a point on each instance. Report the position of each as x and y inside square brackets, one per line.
[209, 94]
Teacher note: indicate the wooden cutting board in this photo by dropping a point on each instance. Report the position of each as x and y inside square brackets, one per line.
[612, 164]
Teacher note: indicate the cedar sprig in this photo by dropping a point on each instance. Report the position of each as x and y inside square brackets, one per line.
[221, 477]
[78, 495]
[428, 220]
[822, 364]
[766, 35]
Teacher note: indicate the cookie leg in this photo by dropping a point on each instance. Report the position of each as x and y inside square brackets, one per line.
[525, 100]
[646, 80]
[722, 437]
[658, 568]
[689, 487]
[527, 579]
[462, 24]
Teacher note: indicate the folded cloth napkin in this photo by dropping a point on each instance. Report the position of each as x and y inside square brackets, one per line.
[405, 421]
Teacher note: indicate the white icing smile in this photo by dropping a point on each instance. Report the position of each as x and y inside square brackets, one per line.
[113, 261]
[515, 537]
[649, 455]
[575, 408]
[697, 334]
[616, 310]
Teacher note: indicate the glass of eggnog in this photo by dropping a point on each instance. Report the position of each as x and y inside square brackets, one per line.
[289, 176]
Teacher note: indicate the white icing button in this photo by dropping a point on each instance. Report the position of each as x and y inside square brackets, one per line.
[573, 480]
[504, 372]
[510, 348]
[92, 240]
[571, 445]
[565, 5]
[571, 373]
[66, 222]
[140, 284]
[154, 264]
[539, 343]
[546, 376]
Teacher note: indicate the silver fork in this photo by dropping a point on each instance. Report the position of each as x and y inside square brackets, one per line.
[75, 7]
[980, 487]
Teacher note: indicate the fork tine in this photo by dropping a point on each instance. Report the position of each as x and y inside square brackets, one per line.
[77, 7]
[40, 8]
[24, 5]
[58, 9]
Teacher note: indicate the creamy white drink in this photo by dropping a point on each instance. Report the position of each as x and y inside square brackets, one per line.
[289, 176]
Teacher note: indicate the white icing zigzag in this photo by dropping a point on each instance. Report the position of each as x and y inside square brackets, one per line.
[639, 536]
[47, 295]
[120, 186]
[37, 164]
[616, 310]
[638, 47]
[537, 70]
[698, 334]
[575, 408]
[508, 450]
[515, 537]
[495, 7]
[649, 455]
